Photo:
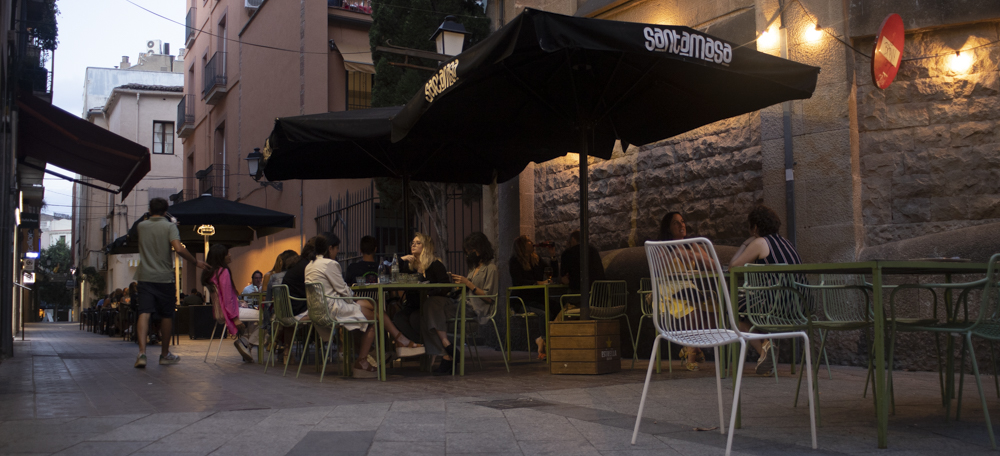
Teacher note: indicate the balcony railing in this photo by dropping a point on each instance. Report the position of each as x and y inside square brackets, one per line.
[215, 78]
[185, 116]
[191, 26]
[213, 180]
[358, 6]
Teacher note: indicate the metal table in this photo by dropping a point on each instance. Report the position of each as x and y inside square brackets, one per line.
[547, 288]
[381, 288]
[876, 269]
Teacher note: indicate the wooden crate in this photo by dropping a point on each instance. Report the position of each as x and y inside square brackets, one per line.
[584, 347]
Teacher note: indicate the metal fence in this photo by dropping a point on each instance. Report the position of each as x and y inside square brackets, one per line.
[356, 214]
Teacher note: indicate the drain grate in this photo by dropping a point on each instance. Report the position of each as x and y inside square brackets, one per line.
[507, 404]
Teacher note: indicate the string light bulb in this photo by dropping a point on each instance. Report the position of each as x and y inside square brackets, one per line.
[814, 33]
[961, 62]
[767, 39]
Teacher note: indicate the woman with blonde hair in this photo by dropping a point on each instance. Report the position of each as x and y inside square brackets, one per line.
[429, 269]
[527, 269]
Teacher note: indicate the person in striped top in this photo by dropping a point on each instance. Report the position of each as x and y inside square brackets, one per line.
[764, 246]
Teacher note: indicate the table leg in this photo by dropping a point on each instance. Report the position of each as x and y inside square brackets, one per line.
[949, 377]
[380, 327]
[461, 346]
[507, 311]
[546, 324]
[881, 396]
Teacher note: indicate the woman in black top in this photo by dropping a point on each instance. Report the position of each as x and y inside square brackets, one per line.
[764, 246]
[429, 269]
[527, 269]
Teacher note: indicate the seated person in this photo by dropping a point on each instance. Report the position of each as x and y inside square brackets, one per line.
[219, 281]
[367, 268]
[277, 273]
[764, 246]
[482, 279]
[429, 269]
[193, 299]
[672, 228]
[571, 270]
[527, 269]
[321, 252]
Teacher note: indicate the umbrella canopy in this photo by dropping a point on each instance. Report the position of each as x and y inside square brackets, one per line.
[357, 144]
[236, 224]
[546, 84]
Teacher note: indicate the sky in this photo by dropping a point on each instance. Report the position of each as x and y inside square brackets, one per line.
[97, 33]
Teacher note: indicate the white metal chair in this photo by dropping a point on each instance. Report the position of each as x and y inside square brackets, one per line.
[672, 274]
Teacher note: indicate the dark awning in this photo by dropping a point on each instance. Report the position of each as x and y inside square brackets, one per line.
[54, 136]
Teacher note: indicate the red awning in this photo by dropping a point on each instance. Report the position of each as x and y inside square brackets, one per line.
[57, 137]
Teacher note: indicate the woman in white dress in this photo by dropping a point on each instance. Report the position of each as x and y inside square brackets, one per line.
[324, 269]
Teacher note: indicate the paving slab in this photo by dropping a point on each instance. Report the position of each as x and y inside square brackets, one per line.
[68, 391]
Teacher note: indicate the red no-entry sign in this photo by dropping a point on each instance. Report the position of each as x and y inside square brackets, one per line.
[888, 52]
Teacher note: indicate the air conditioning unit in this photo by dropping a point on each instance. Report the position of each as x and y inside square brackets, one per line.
[252, 5]
[154, 47]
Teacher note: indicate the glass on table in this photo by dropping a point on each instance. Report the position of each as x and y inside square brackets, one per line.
[547, 274]
[359, 280]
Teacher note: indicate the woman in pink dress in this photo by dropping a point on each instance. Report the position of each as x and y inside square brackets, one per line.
[219, 281]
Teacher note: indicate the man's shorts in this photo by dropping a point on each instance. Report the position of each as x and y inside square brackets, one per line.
[157, 298]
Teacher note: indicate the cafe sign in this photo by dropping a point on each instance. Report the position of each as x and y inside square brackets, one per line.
[888, 53]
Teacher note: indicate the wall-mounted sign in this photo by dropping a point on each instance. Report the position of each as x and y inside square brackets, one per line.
[888, 53]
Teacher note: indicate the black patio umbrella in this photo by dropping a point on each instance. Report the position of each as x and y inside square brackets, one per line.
[357, 144]
[236, 224]
[547, 84]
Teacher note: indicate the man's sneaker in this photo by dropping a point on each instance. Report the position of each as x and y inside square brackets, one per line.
[140, 361]
[169, 359]
[765, 364]
[243, 350]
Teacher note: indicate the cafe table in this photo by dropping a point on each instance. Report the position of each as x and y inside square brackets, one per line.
[877, 270]
[548, 288]
[381, 289]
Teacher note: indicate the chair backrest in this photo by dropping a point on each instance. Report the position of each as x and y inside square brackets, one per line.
[988, 321]
[283, 313]
[645, 295]
[608, 294]
[844, 297]
[772, 299]
[689, 293]
[319, 311]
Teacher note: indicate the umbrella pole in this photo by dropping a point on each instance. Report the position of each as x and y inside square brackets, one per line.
[406, 211]
[586, 136]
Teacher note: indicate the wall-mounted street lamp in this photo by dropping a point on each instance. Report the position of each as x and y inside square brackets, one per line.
[450, 37]
[253, 165]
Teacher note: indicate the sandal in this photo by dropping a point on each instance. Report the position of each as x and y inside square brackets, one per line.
[364, 371]
[408, 349]
[693, 367]
[541, 347]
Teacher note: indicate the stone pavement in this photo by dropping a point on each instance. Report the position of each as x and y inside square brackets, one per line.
[72, 392]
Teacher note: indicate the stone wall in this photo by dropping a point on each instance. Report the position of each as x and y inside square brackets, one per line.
[712, 175]
[929, 143]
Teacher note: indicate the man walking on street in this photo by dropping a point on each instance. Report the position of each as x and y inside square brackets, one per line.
[157, 292]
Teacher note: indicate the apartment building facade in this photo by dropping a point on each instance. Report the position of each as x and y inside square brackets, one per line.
[138, 104]
[249, 62]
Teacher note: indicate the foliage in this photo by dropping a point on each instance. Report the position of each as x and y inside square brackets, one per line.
[42, 23]
[95, 280]
[53, 271]
[410, 24]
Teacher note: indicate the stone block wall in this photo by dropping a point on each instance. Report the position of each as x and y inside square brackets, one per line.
[712, 175]
[929, 144]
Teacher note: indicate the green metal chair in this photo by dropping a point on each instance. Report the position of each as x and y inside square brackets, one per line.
[774, 303]
[523, 314]
[320, 317]
[986, 324]
[469, 320]
[283, 317]
[608, 301]
[646, 304]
